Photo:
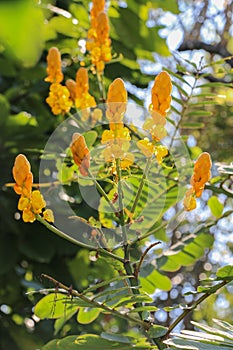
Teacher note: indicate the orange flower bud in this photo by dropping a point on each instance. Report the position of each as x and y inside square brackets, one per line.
[102, 29]
[161, 94]
[22, 176]
[116, 100]
[201, 173]
[54, 71]
[71, 86]
[97, 7]
[81, 154]
[82, 81]
[200, 176]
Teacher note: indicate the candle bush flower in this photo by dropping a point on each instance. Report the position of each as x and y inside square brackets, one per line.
[110, 180]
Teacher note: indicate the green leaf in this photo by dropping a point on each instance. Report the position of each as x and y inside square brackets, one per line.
[155, 280]
[59, 323]
[198, 113]
[93, 341]
[87, 315]
[90, 137]
[215, 206]
[225, 272]
[54, 306]
[157, 331]
[21, 31]
[185, 252]
[192, 125]
[115, 337]
[144, 308]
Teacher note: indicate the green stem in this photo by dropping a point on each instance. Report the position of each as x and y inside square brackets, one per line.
[80, 244]
[101, 86]
[121, 203]
[102, 192]
[192, 306]
[147, 168]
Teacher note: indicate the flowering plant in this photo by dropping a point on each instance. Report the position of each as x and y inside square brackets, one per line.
[129, 173]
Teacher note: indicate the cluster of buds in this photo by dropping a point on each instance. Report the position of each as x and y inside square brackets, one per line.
[200, 176]
[98, 41]
[31, 203]
[160, 105]
[117, 138]
[59, 96]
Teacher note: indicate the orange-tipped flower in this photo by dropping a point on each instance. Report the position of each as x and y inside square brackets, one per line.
[99, 43]
[30, 202]
[83, 99]
[201, 173]
[161, 94]
[54, 71]
[71, 86]
[116, 100]
[81, 154]
[200, 176]
[97, 7]
[22, 176]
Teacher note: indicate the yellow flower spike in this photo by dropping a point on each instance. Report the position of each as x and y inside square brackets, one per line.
[102, 33]
[71, 86]
[83, 99]
[22, 175]
[59, 99]
[37, 202]
[81, 154]
[189, 201]
[54, 71]
[116, 101]
[146, 147]
[48, 215]
[160, 152]
[161, 94]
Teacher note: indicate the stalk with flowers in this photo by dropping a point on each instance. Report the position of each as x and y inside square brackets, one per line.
[136, 176]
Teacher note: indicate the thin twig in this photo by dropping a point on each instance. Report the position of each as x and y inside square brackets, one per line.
[137, 269]
[96, 304]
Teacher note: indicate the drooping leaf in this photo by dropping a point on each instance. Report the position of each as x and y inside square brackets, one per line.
[87, 315]
[215, 206]
[53, 305]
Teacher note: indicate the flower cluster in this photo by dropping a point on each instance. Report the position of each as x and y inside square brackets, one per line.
[98, 42]
[200, 176]
[161, 99]
[80, 152]
[31, 202]
[117, 138]
[59, 96]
